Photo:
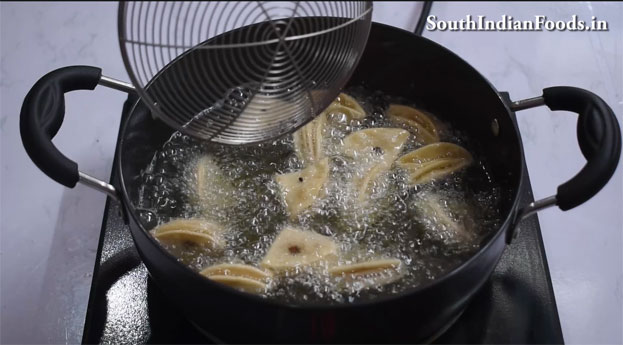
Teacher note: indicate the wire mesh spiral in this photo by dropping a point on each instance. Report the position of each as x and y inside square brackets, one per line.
[241, 72]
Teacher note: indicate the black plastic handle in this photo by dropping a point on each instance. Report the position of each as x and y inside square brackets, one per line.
[599, 137]
[42, 115]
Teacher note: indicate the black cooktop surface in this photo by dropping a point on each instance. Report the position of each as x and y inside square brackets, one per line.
[125, 307]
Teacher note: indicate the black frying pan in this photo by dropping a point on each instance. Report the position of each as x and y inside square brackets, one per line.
[398, 63]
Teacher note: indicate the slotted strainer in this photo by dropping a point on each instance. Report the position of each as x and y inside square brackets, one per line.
[241, 72]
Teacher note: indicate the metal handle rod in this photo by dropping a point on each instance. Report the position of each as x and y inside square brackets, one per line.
[98, 185]
[116, 84]
[88, 180]
[544, 203]
[527, 103]
[536, 206]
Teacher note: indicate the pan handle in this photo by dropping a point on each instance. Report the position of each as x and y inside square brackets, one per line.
[599, 137]
[41, 117]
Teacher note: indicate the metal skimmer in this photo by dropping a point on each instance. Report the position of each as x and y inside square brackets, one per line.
[241, 72]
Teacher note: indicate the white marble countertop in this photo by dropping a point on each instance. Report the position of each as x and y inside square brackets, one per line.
[49, 233]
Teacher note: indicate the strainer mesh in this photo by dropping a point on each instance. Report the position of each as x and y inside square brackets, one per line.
[241, 72]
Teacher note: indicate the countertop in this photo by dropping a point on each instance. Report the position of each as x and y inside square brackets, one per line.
[49, 234]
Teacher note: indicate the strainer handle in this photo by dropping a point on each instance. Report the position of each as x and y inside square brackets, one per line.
[41, 117]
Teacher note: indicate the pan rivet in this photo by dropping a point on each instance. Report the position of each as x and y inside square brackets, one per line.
[495, 127]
